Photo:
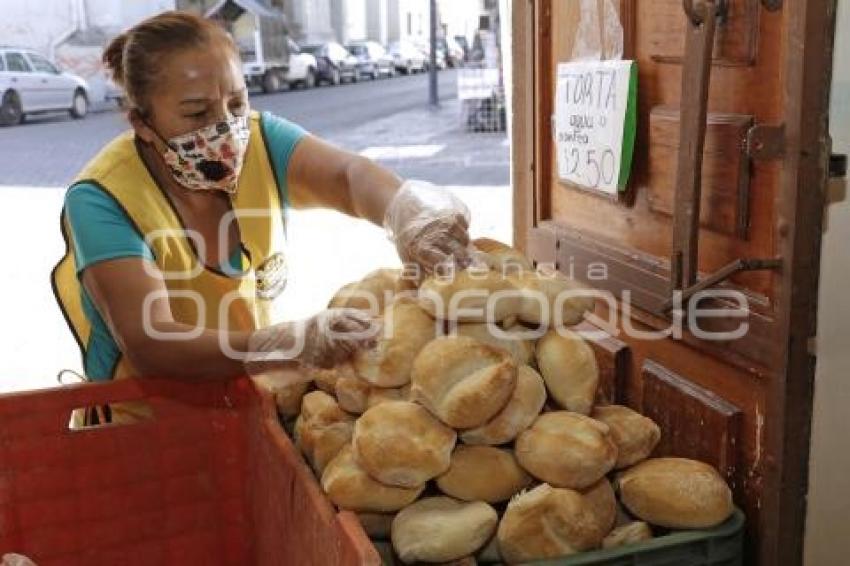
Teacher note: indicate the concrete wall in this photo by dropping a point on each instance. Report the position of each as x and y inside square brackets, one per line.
[828, 516]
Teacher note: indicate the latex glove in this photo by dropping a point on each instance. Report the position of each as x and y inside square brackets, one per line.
[429, 226]
[323, 341]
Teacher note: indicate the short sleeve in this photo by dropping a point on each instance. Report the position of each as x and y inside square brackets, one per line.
[100, 228]
[281, 137]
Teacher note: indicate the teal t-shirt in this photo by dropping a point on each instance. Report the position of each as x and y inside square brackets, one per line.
[102, 231]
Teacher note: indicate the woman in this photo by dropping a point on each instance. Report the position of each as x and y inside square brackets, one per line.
[175, 230]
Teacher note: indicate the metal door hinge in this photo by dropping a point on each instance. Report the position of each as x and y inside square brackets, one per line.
[766, 142]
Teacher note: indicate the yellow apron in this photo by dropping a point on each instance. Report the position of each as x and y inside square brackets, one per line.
[198, 295]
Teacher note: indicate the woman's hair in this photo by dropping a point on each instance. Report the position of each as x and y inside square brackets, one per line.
[135, 57]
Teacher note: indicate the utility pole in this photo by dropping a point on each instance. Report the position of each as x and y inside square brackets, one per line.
[433, 95]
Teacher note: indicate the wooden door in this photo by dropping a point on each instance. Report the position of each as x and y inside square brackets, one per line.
[743, 404]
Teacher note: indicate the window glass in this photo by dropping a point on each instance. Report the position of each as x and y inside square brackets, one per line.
[17, 63]
[41, 64]
[2, 63]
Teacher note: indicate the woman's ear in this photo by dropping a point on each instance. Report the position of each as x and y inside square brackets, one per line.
[143, 131]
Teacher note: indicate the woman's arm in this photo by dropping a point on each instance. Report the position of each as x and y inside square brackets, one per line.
[119, 287]
[321, 175]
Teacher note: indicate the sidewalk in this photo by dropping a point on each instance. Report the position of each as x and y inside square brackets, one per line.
[432, 144]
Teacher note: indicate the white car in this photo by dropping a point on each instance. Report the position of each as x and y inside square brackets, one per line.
[30, 84]
[407, 58]
[302, 67]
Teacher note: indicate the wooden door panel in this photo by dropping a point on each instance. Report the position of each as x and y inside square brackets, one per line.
[734, 45]
[743, 405]
[752, 90]
[725, 170]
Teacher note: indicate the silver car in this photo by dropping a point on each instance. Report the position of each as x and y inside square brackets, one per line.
[30, 83]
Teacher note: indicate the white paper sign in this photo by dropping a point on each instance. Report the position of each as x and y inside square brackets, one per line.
[594, 123]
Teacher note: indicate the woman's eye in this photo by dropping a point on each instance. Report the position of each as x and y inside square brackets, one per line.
[200, 114]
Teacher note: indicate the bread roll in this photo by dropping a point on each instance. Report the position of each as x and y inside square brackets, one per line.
[440, 529]
[406, 329]
[546, 522]
[521, 350]
[601, 506]
[287, 387]
[350, 487]
[373, 292]
[568, 366]
[634, 434]
[463, 382]
[325, 379]
[676, 493]
[501, 257]
[379, 395]
[631, 533]
[352, 394]
[483, 473]
[566, 450]
[464, 296]
[550, 299]
[377, 525]
[399, 443]
[322, 429]
[522, 409]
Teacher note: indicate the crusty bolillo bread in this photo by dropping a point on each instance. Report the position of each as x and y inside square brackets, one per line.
[400, 443]
[489, 333]
[500, 257]
[568, 366]
[350, 487]
[379, 395]
[464, 296]
[631, 533]
[550, 298]
[441, 529]
[546, 522]
[326, 378]
[287, 387]
[522, 409]
[566, 450]
[322, 429]
[352, 393]
[483, 473]
[462, 381]
[373, 292]
[601, 504]
[634, 434]
[677, 493]
[406, 330]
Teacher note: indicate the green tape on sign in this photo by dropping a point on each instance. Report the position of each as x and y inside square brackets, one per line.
[595, 123]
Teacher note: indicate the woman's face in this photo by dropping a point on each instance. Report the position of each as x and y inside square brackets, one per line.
[195, 87]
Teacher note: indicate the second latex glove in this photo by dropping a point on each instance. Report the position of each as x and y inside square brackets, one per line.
[324, 340]
[429, 226]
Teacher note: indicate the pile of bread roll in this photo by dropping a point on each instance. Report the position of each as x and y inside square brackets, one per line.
[471, 447]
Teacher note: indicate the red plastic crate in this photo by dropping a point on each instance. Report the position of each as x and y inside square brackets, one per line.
[210, 479]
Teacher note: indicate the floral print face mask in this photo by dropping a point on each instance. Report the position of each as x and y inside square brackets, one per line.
[210, 158]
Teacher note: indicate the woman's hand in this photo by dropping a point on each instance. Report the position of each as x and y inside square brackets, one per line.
[324, 340]
[429, 226]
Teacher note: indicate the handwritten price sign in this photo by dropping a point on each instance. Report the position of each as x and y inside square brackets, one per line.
[595, 117]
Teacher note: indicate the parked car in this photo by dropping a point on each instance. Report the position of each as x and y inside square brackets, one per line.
[373, 61]
[424, 46]
[303, 67]
[31, 84]
[407, 58]
[334, 64]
